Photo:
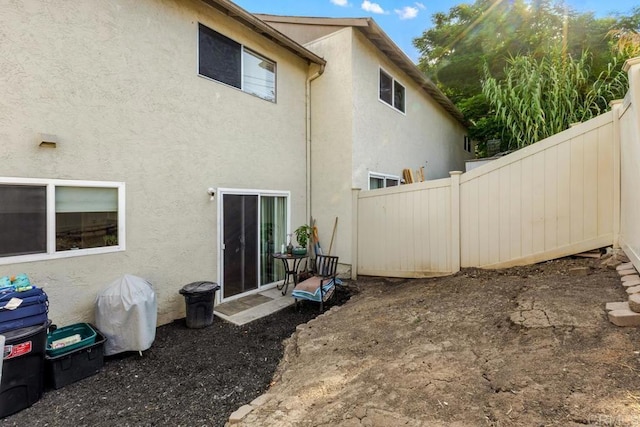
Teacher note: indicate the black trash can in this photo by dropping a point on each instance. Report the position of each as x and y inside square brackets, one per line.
[199, 298]
[22, 368]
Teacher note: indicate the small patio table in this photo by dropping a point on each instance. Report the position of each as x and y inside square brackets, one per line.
[290, 269]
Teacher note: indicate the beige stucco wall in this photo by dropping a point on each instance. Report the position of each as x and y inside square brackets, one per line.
[331, 145]
[117, 83]
[354, 133]
[388, 141]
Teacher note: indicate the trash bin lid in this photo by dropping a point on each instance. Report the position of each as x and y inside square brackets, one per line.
[199, 288]
[16, 335]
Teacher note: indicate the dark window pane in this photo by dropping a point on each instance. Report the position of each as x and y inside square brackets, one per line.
[219, 57]
[83, 230]
[386, 88]
[398, 96]
[86, 217]
[23, 220]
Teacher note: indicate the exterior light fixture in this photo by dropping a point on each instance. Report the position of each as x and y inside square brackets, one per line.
[48, 140]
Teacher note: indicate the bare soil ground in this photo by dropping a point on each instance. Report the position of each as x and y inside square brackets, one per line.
[527, 346]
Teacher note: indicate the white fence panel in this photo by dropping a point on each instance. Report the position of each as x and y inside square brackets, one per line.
[406, 231]
[629, 117]
[551, 199]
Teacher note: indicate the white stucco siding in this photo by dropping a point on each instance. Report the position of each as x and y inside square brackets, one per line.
[332, 137]
[117, 84]
[387, 141]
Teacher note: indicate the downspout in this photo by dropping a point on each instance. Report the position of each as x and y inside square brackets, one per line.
[311, 78]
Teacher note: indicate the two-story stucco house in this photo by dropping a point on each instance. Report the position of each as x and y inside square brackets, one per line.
[115, 120]
[374, 113]
[183, 140]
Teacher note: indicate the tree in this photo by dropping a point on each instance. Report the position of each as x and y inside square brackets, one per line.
[486, 33]
[454, 50]
[626, 36]
[539, 98]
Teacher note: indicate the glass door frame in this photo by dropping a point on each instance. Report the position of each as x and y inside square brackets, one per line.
[220, 193]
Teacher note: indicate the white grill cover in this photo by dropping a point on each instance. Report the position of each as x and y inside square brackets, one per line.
[126, 313]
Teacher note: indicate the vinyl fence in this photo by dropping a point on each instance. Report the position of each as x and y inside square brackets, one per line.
[573, 192]
[628, 118]
[551, 199]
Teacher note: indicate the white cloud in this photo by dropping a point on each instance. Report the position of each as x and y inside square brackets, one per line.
[372, 7]
[420, 5]
[407, 12]
[342, 3]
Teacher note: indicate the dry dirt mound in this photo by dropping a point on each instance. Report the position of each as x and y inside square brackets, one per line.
[520, 347]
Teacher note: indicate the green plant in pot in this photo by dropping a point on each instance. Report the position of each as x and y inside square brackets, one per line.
[303, 233]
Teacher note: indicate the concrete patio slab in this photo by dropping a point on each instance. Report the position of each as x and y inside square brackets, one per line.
[253, 307]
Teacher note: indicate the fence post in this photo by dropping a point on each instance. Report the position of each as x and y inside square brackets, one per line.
[615, 110]
[355, 194]
[632, 68]
[455, 221]
[628, 234]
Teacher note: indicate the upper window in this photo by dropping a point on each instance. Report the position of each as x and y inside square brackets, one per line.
[229, 62]
[42, 219]
[392, 92]
[380, 180]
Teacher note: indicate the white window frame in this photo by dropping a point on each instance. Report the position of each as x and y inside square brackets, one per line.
[246, 50]
[384, 177]
[51, 185]
[393, 92]
[220, 192]
[243, 50]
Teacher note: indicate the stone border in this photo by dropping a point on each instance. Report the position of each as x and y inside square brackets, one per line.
[241, 413]
[626, 313]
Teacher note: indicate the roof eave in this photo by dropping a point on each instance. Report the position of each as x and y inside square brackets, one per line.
[265, 30]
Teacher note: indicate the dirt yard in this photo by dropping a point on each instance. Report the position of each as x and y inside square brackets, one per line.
[528, 346]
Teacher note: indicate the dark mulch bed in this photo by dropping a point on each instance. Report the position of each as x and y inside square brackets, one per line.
[194, 377]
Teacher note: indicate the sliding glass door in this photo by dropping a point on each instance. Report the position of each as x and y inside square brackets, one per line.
[254, 227]
[240, 244]
[273, 224]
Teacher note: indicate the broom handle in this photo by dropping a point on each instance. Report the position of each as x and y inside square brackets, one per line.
[335, 225]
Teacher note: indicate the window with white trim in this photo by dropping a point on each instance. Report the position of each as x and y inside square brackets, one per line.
[381, 180]
[42, 219]
[391, 91]
[227, 61]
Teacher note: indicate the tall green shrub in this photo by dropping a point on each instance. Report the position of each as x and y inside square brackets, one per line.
[539, 98]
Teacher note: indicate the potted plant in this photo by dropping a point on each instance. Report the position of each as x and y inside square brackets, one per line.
[303, 233]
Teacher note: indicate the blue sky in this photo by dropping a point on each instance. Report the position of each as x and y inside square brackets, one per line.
[402, 20]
